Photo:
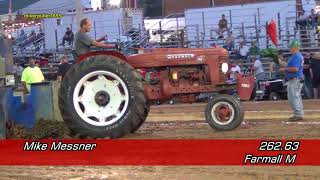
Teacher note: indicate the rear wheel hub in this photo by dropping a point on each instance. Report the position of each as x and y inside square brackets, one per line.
[102, 98]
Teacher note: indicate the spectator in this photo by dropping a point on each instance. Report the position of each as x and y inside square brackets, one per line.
[68, 36]
[51, 74]
[23, 36]
[307, 87]
[259, 70]
[17, 68]
[32, 36]
[313, 19]
[236, 69]
[294, 75]
[31, 74]
[315, 75]
[303, 19]
[243, 51]
[254, 50]
[63, 67]
[223, 25]
[229, 42]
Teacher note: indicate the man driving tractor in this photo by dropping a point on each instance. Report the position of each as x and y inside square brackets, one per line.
[83, 42]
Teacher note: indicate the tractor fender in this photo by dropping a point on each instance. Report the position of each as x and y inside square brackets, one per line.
[245, 86]
[87, 56]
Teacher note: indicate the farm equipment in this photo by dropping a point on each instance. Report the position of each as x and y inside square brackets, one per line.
[273, 90]
[106, 94]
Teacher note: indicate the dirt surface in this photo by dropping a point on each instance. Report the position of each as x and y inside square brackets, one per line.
[162, 124]
[155, 173]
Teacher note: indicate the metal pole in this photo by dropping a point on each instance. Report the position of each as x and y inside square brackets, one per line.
[95, 30]
[230, 17]
[79, 14]
[267, 39]
[197, 38]
[140, 37]
[119, 29]
[56, 36]
[242, 26]
[1, 28]
[177, 19]
[203, 24]
[279, 26]
[256, 27]
[160, 29]
[259, 22]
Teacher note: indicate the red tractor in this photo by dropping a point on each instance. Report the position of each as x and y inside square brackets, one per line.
[107, 94]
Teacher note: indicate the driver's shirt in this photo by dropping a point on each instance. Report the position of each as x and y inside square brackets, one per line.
[83, 43]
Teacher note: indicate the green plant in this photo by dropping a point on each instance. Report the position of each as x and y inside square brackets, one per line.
[271, 53]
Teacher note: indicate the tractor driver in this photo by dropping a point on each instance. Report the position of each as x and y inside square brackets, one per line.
[83, 42]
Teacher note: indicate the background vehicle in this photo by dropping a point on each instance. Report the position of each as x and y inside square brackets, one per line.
[273, 90]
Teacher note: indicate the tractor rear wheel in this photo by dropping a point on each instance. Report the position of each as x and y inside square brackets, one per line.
[224, 113]
[103, 97]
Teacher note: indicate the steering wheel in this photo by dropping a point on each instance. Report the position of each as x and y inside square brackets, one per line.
[248, 72]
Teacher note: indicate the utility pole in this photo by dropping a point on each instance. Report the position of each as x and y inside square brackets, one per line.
[79, 9]
[1, 27]
[10, 11]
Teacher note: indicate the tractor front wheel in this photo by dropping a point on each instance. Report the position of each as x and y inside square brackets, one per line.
[224, 113]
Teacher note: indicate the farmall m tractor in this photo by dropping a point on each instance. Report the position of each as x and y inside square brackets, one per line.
[107, 94]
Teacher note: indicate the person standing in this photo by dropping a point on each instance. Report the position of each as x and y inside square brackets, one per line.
[223, 25]
[307, 87]
[63, 67]
[315, 74]
[294, 75]
[30, 75]
[259, 70]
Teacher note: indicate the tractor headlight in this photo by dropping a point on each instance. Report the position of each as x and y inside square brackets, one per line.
[225, 68]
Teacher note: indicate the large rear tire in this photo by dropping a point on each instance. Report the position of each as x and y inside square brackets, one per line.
[103, 97]
[224, 113]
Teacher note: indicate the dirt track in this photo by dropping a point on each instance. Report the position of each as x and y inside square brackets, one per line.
[155, 173]
[163, 124]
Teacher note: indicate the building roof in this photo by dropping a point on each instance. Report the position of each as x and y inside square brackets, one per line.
[16, 5]
[49, 6]
[175, 6]
[40, 6]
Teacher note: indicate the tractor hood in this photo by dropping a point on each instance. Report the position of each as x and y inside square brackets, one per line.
[163, 57]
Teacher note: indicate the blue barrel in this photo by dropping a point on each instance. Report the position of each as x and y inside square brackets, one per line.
[41, 97]
[3, 111]
[20, 113]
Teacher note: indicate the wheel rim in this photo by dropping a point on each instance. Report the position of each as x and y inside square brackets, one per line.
[275, 98]
[101, 98]
[222, 113]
